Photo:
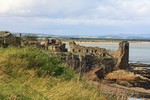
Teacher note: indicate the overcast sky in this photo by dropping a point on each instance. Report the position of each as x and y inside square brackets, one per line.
[76, 17]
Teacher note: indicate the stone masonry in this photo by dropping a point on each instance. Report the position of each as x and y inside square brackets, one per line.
[55, 45]
[115, 59]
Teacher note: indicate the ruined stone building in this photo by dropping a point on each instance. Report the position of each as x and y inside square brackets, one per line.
[79, 57]
[55, 45]
[7, 38]
[94, 56]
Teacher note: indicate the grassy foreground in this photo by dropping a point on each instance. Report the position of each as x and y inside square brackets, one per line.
[32, 74]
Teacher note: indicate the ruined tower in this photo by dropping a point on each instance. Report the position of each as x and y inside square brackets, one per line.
[123, 55]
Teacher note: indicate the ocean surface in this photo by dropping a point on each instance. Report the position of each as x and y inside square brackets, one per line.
[138, 53]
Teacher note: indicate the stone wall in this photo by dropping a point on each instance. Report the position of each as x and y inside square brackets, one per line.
[86, 62]
[120, 57]
[55, 45]
[7, 39]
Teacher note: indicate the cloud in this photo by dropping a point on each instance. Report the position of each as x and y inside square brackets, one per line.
[100, 9]
[37, 14]
[49, 8]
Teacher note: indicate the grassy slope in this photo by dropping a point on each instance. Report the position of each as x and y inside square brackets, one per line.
[27, 73]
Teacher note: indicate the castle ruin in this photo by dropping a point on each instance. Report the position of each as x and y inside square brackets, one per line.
[115, 59]
[79, 57]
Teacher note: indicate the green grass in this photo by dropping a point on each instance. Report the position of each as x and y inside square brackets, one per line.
[33, 74]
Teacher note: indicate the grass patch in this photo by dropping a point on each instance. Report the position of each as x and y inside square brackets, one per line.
[33, 74]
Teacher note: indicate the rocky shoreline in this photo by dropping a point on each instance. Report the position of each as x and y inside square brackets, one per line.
[134, 82]
[141, 69]
[139, 65]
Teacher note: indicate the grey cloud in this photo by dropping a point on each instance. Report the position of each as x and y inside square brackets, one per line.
[43, 13]
[111, 9]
